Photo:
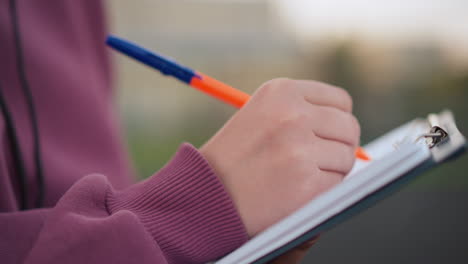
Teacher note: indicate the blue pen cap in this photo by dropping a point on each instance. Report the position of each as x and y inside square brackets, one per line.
[165, 65]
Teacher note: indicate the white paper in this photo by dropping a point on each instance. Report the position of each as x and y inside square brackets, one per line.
[393, 155]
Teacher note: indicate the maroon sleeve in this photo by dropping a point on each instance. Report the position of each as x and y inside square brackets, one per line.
[182, 214]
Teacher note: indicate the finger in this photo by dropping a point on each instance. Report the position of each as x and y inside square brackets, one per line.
[333, 156]
[327, 180]
[331, 123]
[326, 95]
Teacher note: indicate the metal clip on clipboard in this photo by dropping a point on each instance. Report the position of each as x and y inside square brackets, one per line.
[436, 134]
[444, 137]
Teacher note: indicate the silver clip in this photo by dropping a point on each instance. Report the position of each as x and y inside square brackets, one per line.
[435, 136]
[436, 133]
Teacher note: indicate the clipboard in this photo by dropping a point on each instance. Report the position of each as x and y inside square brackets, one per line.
[398, 157]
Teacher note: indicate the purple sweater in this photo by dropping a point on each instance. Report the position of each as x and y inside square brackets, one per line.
[93, 213]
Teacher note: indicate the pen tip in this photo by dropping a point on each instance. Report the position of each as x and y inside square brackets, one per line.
[362, 155]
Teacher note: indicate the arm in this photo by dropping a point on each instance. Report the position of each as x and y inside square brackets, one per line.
[182, 214]
[292, 141]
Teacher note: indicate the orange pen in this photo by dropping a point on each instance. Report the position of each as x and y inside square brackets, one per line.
[197, 80]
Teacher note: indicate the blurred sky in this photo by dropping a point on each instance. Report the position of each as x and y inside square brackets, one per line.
[420, 17]
[445, 21]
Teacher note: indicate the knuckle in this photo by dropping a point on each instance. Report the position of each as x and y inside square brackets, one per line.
[299, 118]
[291, 120]
[346, 100]
[324, 114]
[352, 129]
[296, 157]
[348, 159]
[356, 130]
[275, 84]
[273, 92]
[344, 123]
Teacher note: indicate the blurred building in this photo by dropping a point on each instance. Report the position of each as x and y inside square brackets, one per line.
[241, 43]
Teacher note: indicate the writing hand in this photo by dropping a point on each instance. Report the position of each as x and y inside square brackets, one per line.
[292, 141]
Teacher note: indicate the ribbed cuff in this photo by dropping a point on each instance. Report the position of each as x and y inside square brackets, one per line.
[186, 209]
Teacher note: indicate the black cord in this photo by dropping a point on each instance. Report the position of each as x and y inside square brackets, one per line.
[16, 151]
[30, 103]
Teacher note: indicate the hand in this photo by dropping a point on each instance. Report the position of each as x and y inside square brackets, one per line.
[290, 142]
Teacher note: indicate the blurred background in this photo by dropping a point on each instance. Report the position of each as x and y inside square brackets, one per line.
[398, 59]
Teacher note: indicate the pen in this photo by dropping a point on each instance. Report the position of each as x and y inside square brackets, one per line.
[196, 79]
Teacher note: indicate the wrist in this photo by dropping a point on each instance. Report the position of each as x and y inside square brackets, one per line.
[182, 203]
